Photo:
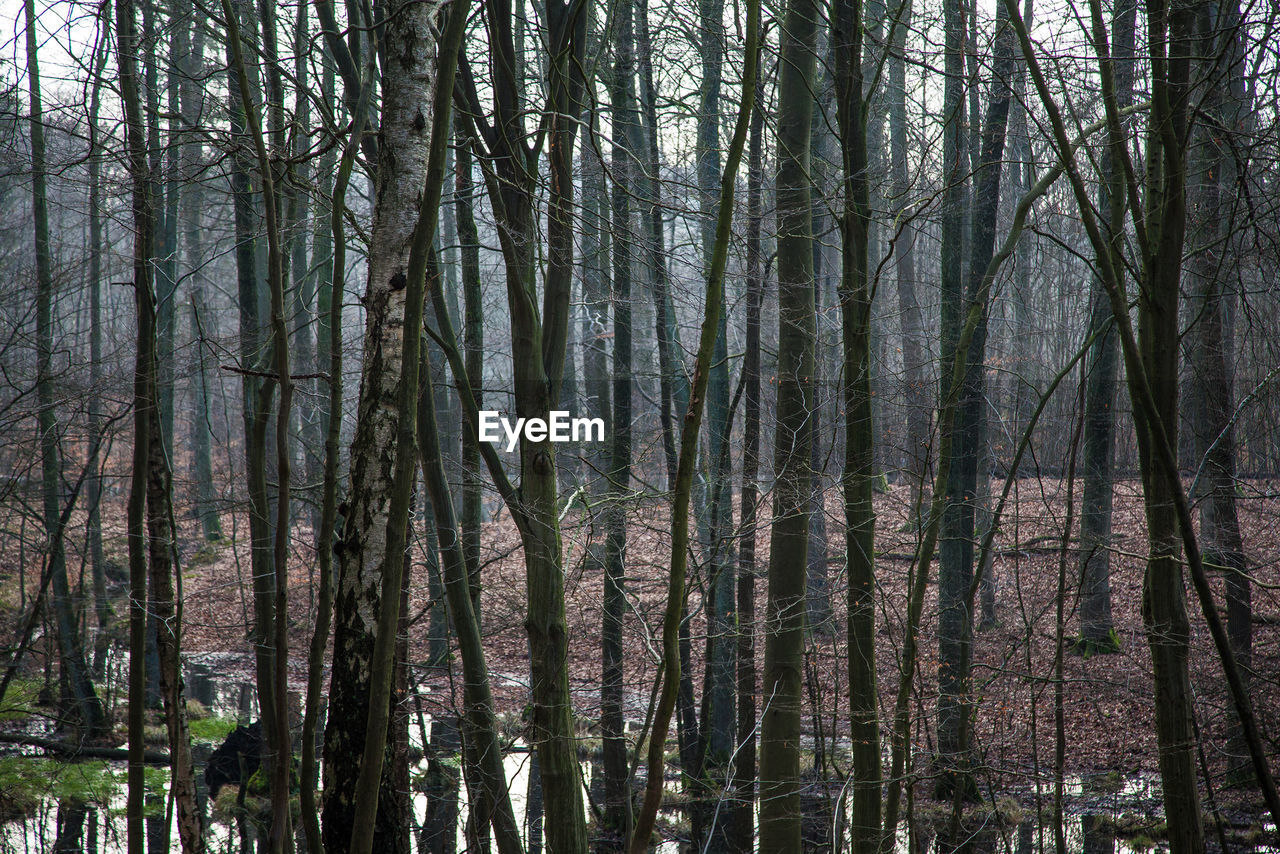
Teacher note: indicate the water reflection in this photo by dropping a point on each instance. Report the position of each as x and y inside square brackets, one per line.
[92, 820]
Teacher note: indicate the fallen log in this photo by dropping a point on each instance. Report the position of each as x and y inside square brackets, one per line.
[76, 750]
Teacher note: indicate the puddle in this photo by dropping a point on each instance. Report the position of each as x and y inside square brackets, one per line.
[84, 809]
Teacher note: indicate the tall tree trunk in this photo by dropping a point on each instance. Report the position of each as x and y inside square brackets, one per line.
[1097, 632]
[672, 384]
[788, 548]
[617, 797]
[363, 551]
[255, 390]
[716, 732]
[968, 435]
[473, 320]
[190, 50]
[1225, 106]
[271, 593]
[1164, 613]
[143, 214]
[88, 706]
[904, 259]
[166, 191]
[103, 611]
[742, 827]
[539, 339]
[671, 682]
[847, 42]
[955, 553]
[329, 347]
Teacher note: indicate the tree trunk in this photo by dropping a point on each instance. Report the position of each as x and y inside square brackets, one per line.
[673, 389]
[716, 732]
[1214, 172]
[88, 706]
[103, 611]
[788, 548]
[858, 478]
[143, 214]
[473, 321]
[362, 552]
[538, 352]
[1097, 633]
[190, 50]
[329, 347]
[742, 827]
[1164, 611]
[904, 259]
[955, 568]
[617, 797]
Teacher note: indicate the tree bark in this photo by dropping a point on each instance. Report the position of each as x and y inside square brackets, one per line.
[362, 552]
[141, 203]
[955, 569]
[88, 706]
[788, 549]
[742, 828]
[858, 477]
[1096, 626]
[617, 796]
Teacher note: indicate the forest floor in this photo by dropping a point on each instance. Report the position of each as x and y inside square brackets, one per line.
[1109, 728]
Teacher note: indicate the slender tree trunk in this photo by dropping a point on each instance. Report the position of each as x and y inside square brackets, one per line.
[166, 604]
[716, 732]
[329, 346]
[88, 706]
[97, 560]
[847, 42]
[135, 147]
[473, 320]
[672, 383]
[617, 796]
[788, 549]
[956, 553]
[1170, 36]
[191, 95]
[673, 616]
[904, 258]
[1096, 626]
[490, 797]
[742, 828]
[271, 593]
[255, 391]
[538, 347]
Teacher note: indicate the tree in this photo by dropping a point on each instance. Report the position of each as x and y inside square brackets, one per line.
[88, 707]
[617, 815]
[539, 340]
[1213, 170]
[858, 478]
[143, 383]
[369, 530]
[788, 548]
[1096, 627]
[955, 567]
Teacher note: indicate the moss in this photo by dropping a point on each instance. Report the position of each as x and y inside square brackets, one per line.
[205, 555]
[1088, 648]
[20, 699]
[211, 729]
